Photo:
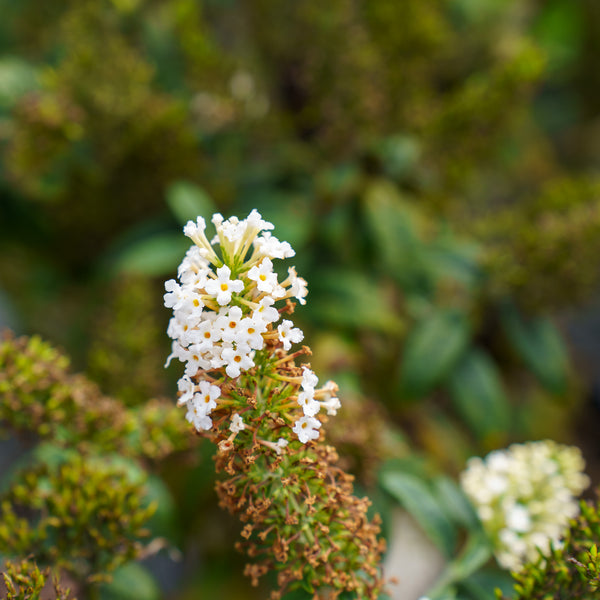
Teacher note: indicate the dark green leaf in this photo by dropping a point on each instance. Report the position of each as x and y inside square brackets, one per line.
[130, 582]
[482, 585]
[156, 255]
[422, 505]
[398, 154]
[163, 522]
[540, 346]
[450, 259]
[188, 201]
[431, 350]
[349, 299]
[473, 556]
[478, 396]
[396, 225]
[458, 506]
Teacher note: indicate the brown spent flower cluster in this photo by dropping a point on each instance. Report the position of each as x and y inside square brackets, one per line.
[300, 516]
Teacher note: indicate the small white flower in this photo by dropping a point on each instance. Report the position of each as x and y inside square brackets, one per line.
[237, 424]
[233, 229]
[222, 287]
[237, 360]
[177, 351]
[196, 416]
[193, 265]
[332, 405]
[194, 230]
[265, 311]
[204, 336]
[250, 331]
[518, 518]
[186, 388]
[297, 286]
[255, 221]
[280, 445]
[208, 395]
[175, 294]
[310, 407]
[263, 275]
[306, 428]
[289, 335]
[309, 379]
[229, 324]
[268, 245]
[195, 360]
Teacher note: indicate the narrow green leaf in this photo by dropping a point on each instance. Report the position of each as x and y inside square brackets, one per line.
[156, 255]
[482, 585]
[422, 505]
[396, 225]
[478, 396]
[350, 299]
[163, 522]
[540, 346]
[451, 259]
[458, 506]
[432, 348]
[473, 556]
[188, 201]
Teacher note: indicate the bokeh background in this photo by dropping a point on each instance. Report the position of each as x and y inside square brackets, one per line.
[435, 165]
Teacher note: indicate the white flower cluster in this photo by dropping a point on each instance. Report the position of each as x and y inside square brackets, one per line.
[311, 401]
[223, 313]
[525, 496]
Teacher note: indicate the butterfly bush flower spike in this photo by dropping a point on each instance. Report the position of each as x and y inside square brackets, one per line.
[244, 390]
[525, 496]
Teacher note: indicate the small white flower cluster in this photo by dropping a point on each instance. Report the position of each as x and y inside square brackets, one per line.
[311, 401]
[525, 496]
[223, 311]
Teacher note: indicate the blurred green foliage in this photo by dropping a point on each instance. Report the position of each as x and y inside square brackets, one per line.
[572, 570]
[434, 165]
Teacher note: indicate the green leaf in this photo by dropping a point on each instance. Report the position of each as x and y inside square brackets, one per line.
[540, 346]
[473, 556]
[559, 31]
[17, 77]
[482, 585]
[458, 506]
[421, 504]
[399, 154]
[163, 522]
[431, 350]
[131, 582]
[349, 299]
[478, 395]
[188, 201]
[396, 227]
[451, 259]
[156, 255]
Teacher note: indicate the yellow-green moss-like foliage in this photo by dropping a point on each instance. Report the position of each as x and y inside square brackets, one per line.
[571, 571]
[98, 142]
[544, 251]
[23, 580]
[85, 515]
[127, 353]
[38, 395]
